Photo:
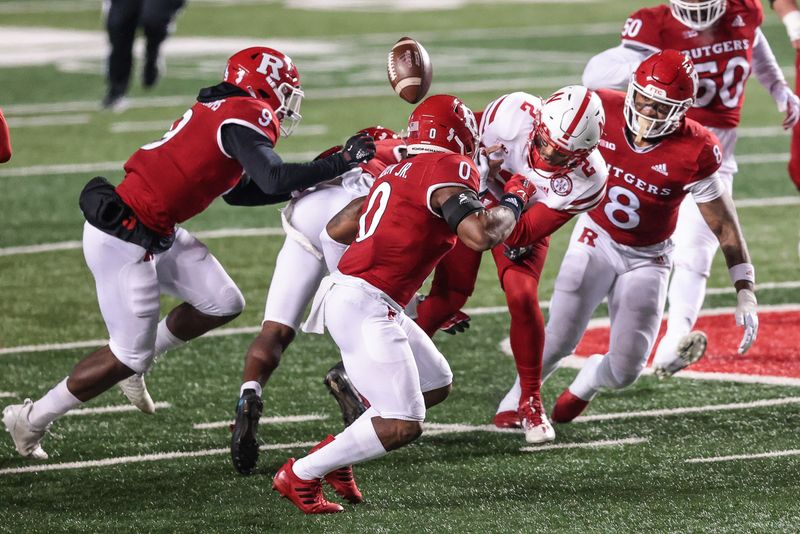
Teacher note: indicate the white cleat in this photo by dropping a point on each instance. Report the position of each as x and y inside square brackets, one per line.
[690, 349]
[136, 390]
[27, 441]
[535, 423]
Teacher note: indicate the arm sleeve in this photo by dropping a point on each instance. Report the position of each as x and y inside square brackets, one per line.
[536, 223]
[707, 189]
[765, 66]
[5, 140]
[612, 68]
[247, 193]
[255, 153]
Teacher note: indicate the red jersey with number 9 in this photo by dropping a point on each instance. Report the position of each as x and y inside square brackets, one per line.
[400, 237]
[722, 54]
[177, 177]
[646, 186]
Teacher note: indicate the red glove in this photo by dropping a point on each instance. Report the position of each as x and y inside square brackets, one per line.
[518, 190]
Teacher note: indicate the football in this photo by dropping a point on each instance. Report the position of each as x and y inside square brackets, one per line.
[410, 70]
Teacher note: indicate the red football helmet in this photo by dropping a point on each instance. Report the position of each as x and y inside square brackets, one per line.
[379, 133]
[666, 83]
[268, 74]
[442, 123]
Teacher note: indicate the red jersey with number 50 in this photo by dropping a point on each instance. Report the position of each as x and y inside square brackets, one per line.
[722, 54]
[645, 188]
[400, 237]
[177, 177]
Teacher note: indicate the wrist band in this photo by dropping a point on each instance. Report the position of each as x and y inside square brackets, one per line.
[792, 22]
[514, 203]
[743, 271]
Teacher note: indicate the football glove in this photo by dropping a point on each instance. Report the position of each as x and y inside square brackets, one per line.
[787, 102]
[358, 149]
[747, 317]
[458, 322]
[517, 254]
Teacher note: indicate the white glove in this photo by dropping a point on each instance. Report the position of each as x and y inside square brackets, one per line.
[482, 162]
[747, 316]
[787, 102]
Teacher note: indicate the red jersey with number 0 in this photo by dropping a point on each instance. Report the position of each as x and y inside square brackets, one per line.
[645, 188]
[400, 237]
[177, 177]
[722, 54]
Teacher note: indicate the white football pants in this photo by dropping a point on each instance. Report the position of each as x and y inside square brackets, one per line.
[390, 360]
[130, 282]
[695, 247]
[299, 267]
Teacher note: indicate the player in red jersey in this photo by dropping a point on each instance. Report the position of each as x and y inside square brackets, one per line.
[723, 39]
[135, 250]
[552, 142]
[789, 13]
[300, 265]
[622, 250]
[5, 140]
[415, 212]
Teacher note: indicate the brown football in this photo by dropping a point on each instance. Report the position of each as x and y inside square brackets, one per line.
[410, 70]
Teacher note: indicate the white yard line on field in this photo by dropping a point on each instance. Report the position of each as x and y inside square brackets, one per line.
[761, 131]
[586, 445]
[7, 395]
[119, 408]
[48, 120]
[759, 159]
[161, 126]
[142, 458]
[277, 420]
[688, 410]
[754, 456]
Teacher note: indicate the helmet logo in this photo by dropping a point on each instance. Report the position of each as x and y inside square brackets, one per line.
[271, 63]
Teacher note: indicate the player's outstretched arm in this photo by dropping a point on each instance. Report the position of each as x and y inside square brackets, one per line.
[720, 215]
[769, 74]
[612, 68]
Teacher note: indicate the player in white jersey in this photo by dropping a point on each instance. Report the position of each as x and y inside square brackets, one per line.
[552, 143]
[622, 250]
[725, 42]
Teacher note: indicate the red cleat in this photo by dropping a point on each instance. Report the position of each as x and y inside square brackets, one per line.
[305, 494]
[568, 407]
[507, 419]
[341, 480]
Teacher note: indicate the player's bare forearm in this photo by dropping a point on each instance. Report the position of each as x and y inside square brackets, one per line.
[485, 229]
[343, 227]
[720, 215]
[784, 7]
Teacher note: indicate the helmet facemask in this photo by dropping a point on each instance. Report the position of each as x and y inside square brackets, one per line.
[559, 160]
[698, 15]
[668, 112]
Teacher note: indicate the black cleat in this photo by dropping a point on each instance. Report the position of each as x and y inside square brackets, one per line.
[244, 446]
[338, 383]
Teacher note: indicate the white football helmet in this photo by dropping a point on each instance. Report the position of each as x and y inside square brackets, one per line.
[698, 14]
[570, 125]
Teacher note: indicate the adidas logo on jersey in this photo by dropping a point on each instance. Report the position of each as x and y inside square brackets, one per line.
[737, 22]
[660, 168]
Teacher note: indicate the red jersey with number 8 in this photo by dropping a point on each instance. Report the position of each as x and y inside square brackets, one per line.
[400, 237]
[177, 177]
[646, 186]
[722, 54]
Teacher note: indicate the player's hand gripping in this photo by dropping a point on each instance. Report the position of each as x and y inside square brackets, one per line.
[358, 149]
[747, 317]
[518, 190]
[787, 102]
[488, 167]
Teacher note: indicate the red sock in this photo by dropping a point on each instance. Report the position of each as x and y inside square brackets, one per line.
[527, 329]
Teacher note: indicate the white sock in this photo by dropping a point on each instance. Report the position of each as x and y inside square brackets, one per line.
[589, 379]
[686, 292]
[166, 340]
[53, 405]
[510, 402]
[357, 443]
[251, 384]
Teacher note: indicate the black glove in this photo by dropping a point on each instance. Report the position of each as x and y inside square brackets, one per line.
[517, 254]
[457, 323]
[358, 149]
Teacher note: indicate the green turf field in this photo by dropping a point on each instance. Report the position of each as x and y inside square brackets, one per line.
[467, 480]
